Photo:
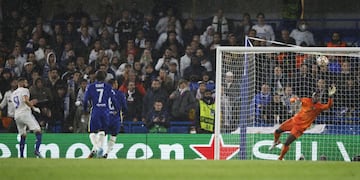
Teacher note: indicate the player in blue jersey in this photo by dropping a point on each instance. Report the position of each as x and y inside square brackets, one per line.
[115, 115]
[100, 95]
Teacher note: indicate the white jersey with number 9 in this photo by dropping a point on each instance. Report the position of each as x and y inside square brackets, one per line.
[18, 101]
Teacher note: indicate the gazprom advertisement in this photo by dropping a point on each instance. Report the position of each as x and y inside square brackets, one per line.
[186, 146]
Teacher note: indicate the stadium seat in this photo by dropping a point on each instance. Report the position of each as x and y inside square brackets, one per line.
[127, 126]
[179, 129]
[180, 126]
[138, 127]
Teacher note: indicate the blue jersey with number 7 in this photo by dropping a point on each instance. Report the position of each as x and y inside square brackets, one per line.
[99, 94]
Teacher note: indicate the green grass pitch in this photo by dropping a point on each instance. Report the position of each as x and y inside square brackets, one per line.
[86, 169]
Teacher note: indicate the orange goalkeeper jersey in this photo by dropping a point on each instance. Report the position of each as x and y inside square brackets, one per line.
[309, 111]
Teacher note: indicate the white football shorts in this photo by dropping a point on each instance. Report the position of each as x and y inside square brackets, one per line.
[26, 120]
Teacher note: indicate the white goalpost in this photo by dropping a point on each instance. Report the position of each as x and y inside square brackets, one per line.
[253, 88]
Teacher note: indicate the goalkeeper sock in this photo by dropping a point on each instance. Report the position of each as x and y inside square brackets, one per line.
[276, 136]
[22, 145]
[111, 144]
[93, 140]
[283, 152]
[38, 141]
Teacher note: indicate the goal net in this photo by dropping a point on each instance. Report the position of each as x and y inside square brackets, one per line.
[253, 90]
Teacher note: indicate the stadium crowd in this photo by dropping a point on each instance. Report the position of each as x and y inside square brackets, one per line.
[164, 64]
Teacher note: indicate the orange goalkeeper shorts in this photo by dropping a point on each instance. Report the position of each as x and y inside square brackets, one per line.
[295, 130]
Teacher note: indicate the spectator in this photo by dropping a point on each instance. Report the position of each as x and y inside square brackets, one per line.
[174, 74]
[156, 92]
[130, 49]
[157, 120]
[107, 24]
[5, 80]
[67, 54]
[321, 89]
[348, 99]
[50, 64]
[155, 54]
[148, 76]
[207, 37]
[336, 41]
[138, 84]
[204, 61]
[113, 51]
[278, 81]
[182, 103]
[262, 99]
[27, 71]
[70, 33]
[124, 28]
[12, 66]
[85, 22]
[275, 112]
[84, 43]
[134, 102]
[190, 29]
[285, 38]
[185, 60]
[172, 41]
[10, 110]
[163, 37]
[302, 81]
[292, 108]
[194, 71]
[263, 30]
[170, 18]
[136, 14]
[20, 58]
[41, 94]
[164, 62]
[212, 50]
[200, 91]
[95, 53]
[325, 74]
[146, 58]
[106, 39]
[140, 39]
[220, 23]
[59, 110]
[205, 79]
[302, 35]
[244, 27]
[44, 100]
[206, 111]
[166, 81]
[149, 28]
[81, 120]
[40, 51]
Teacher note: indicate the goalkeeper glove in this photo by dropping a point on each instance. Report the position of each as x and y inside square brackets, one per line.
[331, 91]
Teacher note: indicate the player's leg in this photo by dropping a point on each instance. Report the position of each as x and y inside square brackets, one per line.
[101, 140]
[93, 135]
[110, 145]
[291, 138]
[285, 126]
[22, 144]
[22, 132]
[295, 133]
[105, 123]
[93, 140]
[113, 129]
[35, 127]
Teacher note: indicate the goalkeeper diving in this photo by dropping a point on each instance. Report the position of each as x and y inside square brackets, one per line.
[310, 109]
